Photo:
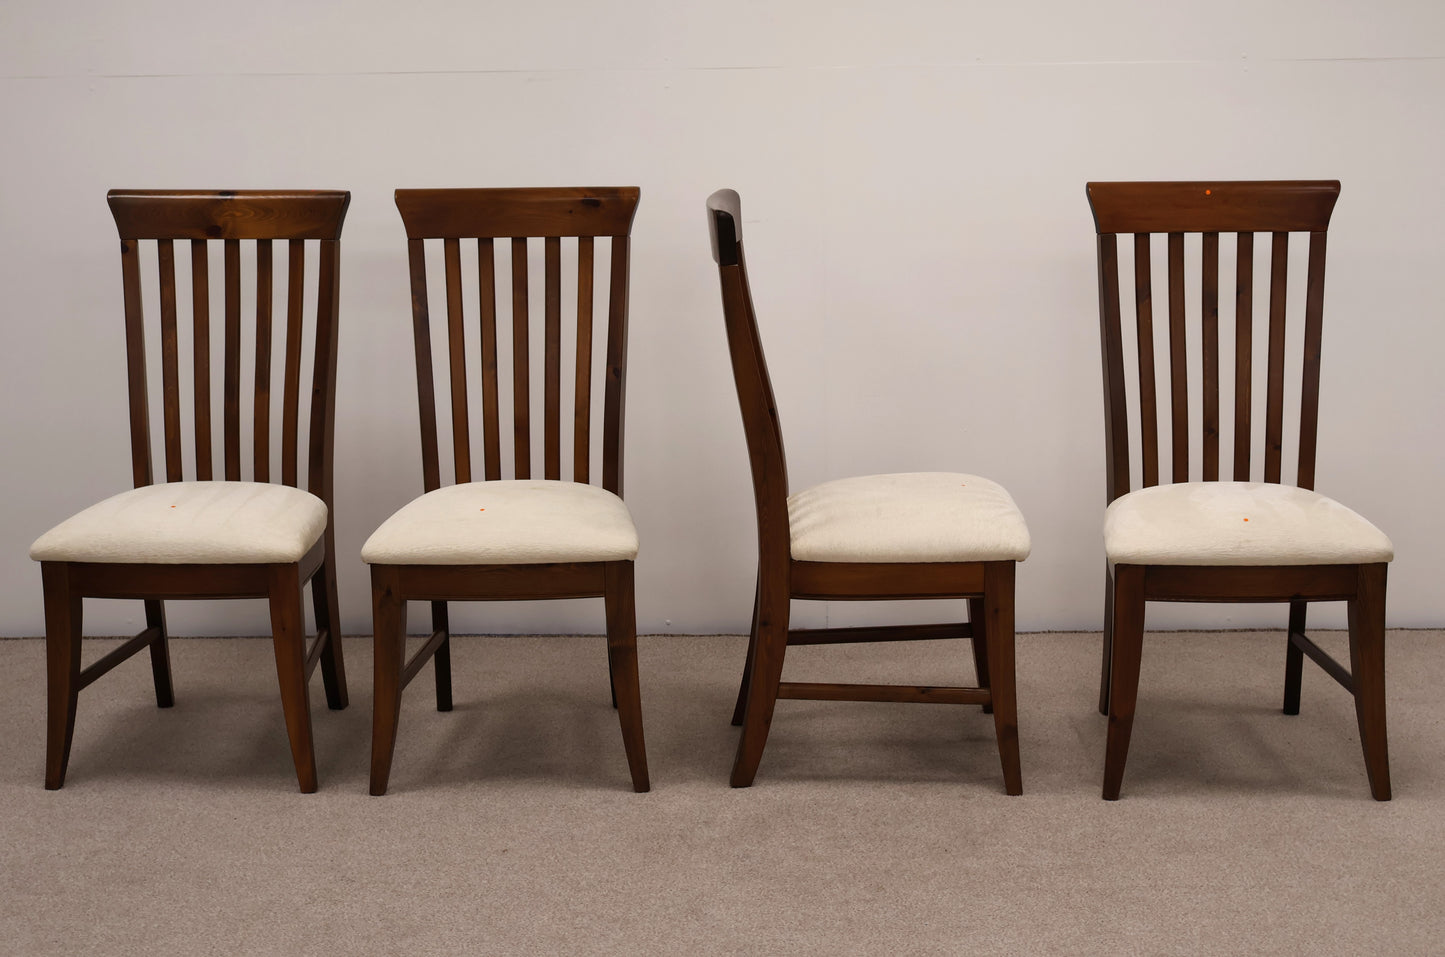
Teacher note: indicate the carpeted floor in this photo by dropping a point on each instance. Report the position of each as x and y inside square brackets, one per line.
[872, 829]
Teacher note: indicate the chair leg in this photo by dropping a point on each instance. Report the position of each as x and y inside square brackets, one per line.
[1294, 659]
[62, 667]
[288, 634]
[327, 606]
[978, 625]
[160, 655]
[388, 628]
[763, 676]
[442, 658]
[747, 665]
[1108, 641]
[998, 615]
[1367, 663]
[622, 663]
[1127, 647]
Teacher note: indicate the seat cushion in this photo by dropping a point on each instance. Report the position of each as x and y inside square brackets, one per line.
[1238, 523]
[190, 523]
[515, 522]
[907, 517]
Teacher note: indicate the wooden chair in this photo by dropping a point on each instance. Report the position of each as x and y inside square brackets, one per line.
[919, 535]
[519, 538]
[201, 537]
[1202, 538]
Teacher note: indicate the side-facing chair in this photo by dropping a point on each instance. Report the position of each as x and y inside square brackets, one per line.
[520, 538]
[915, 535]
[1200, 537]
[201, 537]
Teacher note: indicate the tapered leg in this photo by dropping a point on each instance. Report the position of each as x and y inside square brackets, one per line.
[1127, 649]
[442, 658]
[1367, 663]
[1294, 659]
[769, 649]
[327, 607]
[160, 655]
[622, 658]
[1108, 641]
[747, 664]
[978, 624]
[288, 634]
[998, 615]
[62, 667]
[388, 628]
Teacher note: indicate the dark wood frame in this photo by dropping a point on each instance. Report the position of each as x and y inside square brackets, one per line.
[1209, 208]
[230, 216]
[486, 215]
[988, 586]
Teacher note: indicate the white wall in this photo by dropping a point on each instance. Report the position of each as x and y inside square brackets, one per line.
[912, 176]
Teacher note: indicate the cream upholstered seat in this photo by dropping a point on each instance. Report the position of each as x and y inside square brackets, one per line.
[512, 522]
[1238, 523]
[190, 523]
[907, 517]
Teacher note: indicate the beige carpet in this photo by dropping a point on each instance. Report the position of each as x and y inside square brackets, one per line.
[872, 829]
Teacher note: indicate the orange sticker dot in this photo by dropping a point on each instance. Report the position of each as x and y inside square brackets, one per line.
[1209, 192]
[172, 506]
[1246, 519]
[483, 510]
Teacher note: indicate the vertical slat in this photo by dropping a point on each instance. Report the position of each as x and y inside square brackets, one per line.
[321, 433]
[582, 397]
[1209, 313]
[291, 387]
[491, 431]
[426, 392]
[261, 423]
[201, 355]
[456, 350]
[135, 356]
[170, 372]
[521, 386]
[1310, 396]
[1178, 361]
[615, 390]
[1243, 352]
[231, 385]
[1148, 399]
[1116, 423]
[1274, 396]
[552, 360]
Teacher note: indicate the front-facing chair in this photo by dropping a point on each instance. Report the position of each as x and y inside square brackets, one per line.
[1199, 537]
[915, 535]
[520, 538]
[200, 537]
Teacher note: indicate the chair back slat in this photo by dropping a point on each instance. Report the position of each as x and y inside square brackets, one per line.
[426, 388]
[201, 355]
[1243, 352]
[563, 220]
[1274, 396]
[456, 350]
[1209, 312]
[582, 394]
[246, 223]
[1209, 209]
[261, 420]
[170, 361]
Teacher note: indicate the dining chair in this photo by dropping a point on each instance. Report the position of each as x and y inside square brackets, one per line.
[1221, 531]
[489, 538]
[876, 537]
[264, 536]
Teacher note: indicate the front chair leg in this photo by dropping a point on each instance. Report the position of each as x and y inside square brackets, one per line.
[327, 607]
[978, 628]
[998, 615]
[288, 634]
[622, 664]
[1367, 664]
[62, 667]
[160, 654]
[388, 628]
[1127, 648]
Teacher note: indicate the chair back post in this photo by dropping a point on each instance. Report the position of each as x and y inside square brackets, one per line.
[1209, 208]
[761, 425]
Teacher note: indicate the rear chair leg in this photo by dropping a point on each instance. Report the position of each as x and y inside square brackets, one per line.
[1293, 657]
[327, 607]
[747, 665]
[442, 657]
[160, 654]
[978, 626]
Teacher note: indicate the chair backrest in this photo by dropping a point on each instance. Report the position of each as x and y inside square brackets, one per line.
[761, 426]
[482, 216]
[1209, 208]
[255, 219]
